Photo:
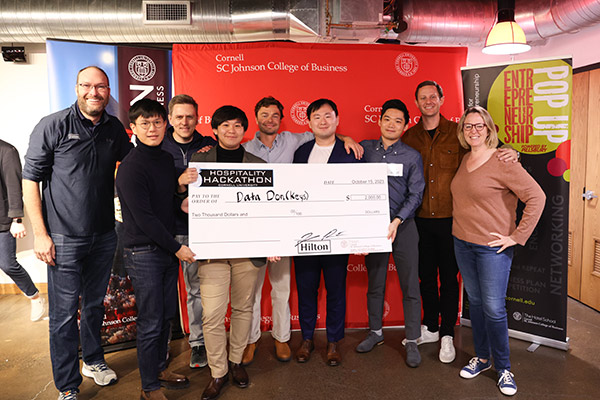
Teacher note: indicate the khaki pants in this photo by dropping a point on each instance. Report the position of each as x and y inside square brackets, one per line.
[216, 279]
[279, 276]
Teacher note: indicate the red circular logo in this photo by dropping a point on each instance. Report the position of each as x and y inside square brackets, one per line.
[298, 112]
[406, 64]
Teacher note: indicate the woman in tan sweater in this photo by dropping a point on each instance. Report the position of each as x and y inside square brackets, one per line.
[485, 192]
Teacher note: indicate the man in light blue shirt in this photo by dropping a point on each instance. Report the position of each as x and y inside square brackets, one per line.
[275, 147]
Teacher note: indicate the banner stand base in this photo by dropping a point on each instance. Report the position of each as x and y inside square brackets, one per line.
[528, 337]
[533, 347]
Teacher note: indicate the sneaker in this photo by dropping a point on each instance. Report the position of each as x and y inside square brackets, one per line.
[506, 383]
[101, 373]
[68, 395]
[38, 308]
[474, 368]
[370, 341]
[426, 336]
[447, 351]
[413, 357]
[198, 357]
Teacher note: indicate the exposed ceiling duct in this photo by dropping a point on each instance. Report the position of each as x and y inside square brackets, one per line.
[469, 21]
[122, 21]
[459, 22]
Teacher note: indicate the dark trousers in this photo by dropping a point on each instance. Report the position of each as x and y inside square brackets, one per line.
[308, 278]
[436, 259]
[406, 258]
[11, 267]
[153, 273]
[83, 265]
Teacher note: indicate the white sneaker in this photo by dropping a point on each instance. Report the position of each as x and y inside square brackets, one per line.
[447, 351]
[38, 308]
[101, 373]
[426, 336]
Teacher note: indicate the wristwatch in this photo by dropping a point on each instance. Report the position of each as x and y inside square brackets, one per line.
[18, 220]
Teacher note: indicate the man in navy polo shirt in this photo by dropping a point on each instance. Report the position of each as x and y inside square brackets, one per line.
[73, 154]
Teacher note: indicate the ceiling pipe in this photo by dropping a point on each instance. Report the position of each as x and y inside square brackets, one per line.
[118, 21]
[464, 22]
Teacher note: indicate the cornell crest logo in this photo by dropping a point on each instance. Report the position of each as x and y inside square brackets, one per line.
[142, 68]
[298, 112]
[406, 64]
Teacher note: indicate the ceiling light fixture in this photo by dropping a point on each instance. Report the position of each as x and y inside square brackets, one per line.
[506, 36]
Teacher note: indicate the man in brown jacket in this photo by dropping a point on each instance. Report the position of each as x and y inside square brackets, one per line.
[435, 137]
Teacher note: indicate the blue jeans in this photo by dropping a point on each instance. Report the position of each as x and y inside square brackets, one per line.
[485, 275]
[153, 273]
[11, 267]
[83, 265]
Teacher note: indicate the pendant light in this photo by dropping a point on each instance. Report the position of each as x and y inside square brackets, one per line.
[506, 36]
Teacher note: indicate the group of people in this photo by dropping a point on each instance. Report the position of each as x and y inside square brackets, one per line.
[453, 199]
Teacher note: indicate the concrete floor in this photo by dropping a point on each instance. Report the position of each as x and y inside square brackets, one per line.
[25, 371]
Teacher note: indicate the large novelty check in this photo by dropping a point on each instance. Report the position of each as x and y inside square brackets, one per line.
[260, 210]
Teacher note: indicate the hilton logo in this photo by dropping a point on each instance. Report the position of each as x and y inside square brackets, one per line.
[323, 246]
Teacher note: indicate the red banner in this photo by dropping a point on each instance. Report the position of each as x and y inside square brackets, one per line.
[359, 78]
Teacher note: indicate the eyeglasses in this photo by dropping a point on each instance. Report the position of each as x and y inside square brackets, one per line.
[157, 124]
[478, 127]
[88, 88]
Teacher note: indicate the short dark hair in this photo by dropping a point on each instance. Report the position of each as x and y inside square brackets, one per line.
[317, 104]
[397, 105]
[182, 99]
[429, 83]
[147, 108]
[92, 66]
[266, 102]
[227, 113]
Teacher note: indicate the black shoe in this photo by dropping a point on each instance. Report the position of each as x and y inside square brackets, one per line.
[239, 375]
[213, 389]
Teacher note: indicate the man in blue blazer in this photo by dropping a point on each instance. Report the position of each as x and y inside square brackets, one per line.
[325, 148]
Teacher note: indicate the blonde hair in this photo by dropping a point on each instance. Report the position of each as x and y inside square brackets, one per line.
[492, 139]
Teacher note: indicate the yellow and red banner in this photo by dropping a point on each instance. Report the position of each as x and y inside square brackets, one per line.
[530, 103]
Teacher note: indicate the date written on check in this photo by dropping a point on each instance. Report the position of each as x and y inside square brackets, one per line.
[261, 210]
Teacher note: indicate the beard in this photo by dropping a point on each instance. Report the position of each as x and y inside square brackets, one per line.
[90, 110]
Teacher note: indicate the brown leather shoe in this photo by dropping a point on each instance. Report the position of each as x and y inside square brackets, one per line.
[248, 355]
[303, 353]
[334, 358]
[153, 395]
[213, 389]
[239, 375]
[171, 380]
[282, 351]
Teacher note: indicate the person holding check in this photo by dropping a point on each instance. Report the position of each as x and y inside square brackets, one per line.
[219, 278]
[405, 188]
[325, 148]
[277, 147]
